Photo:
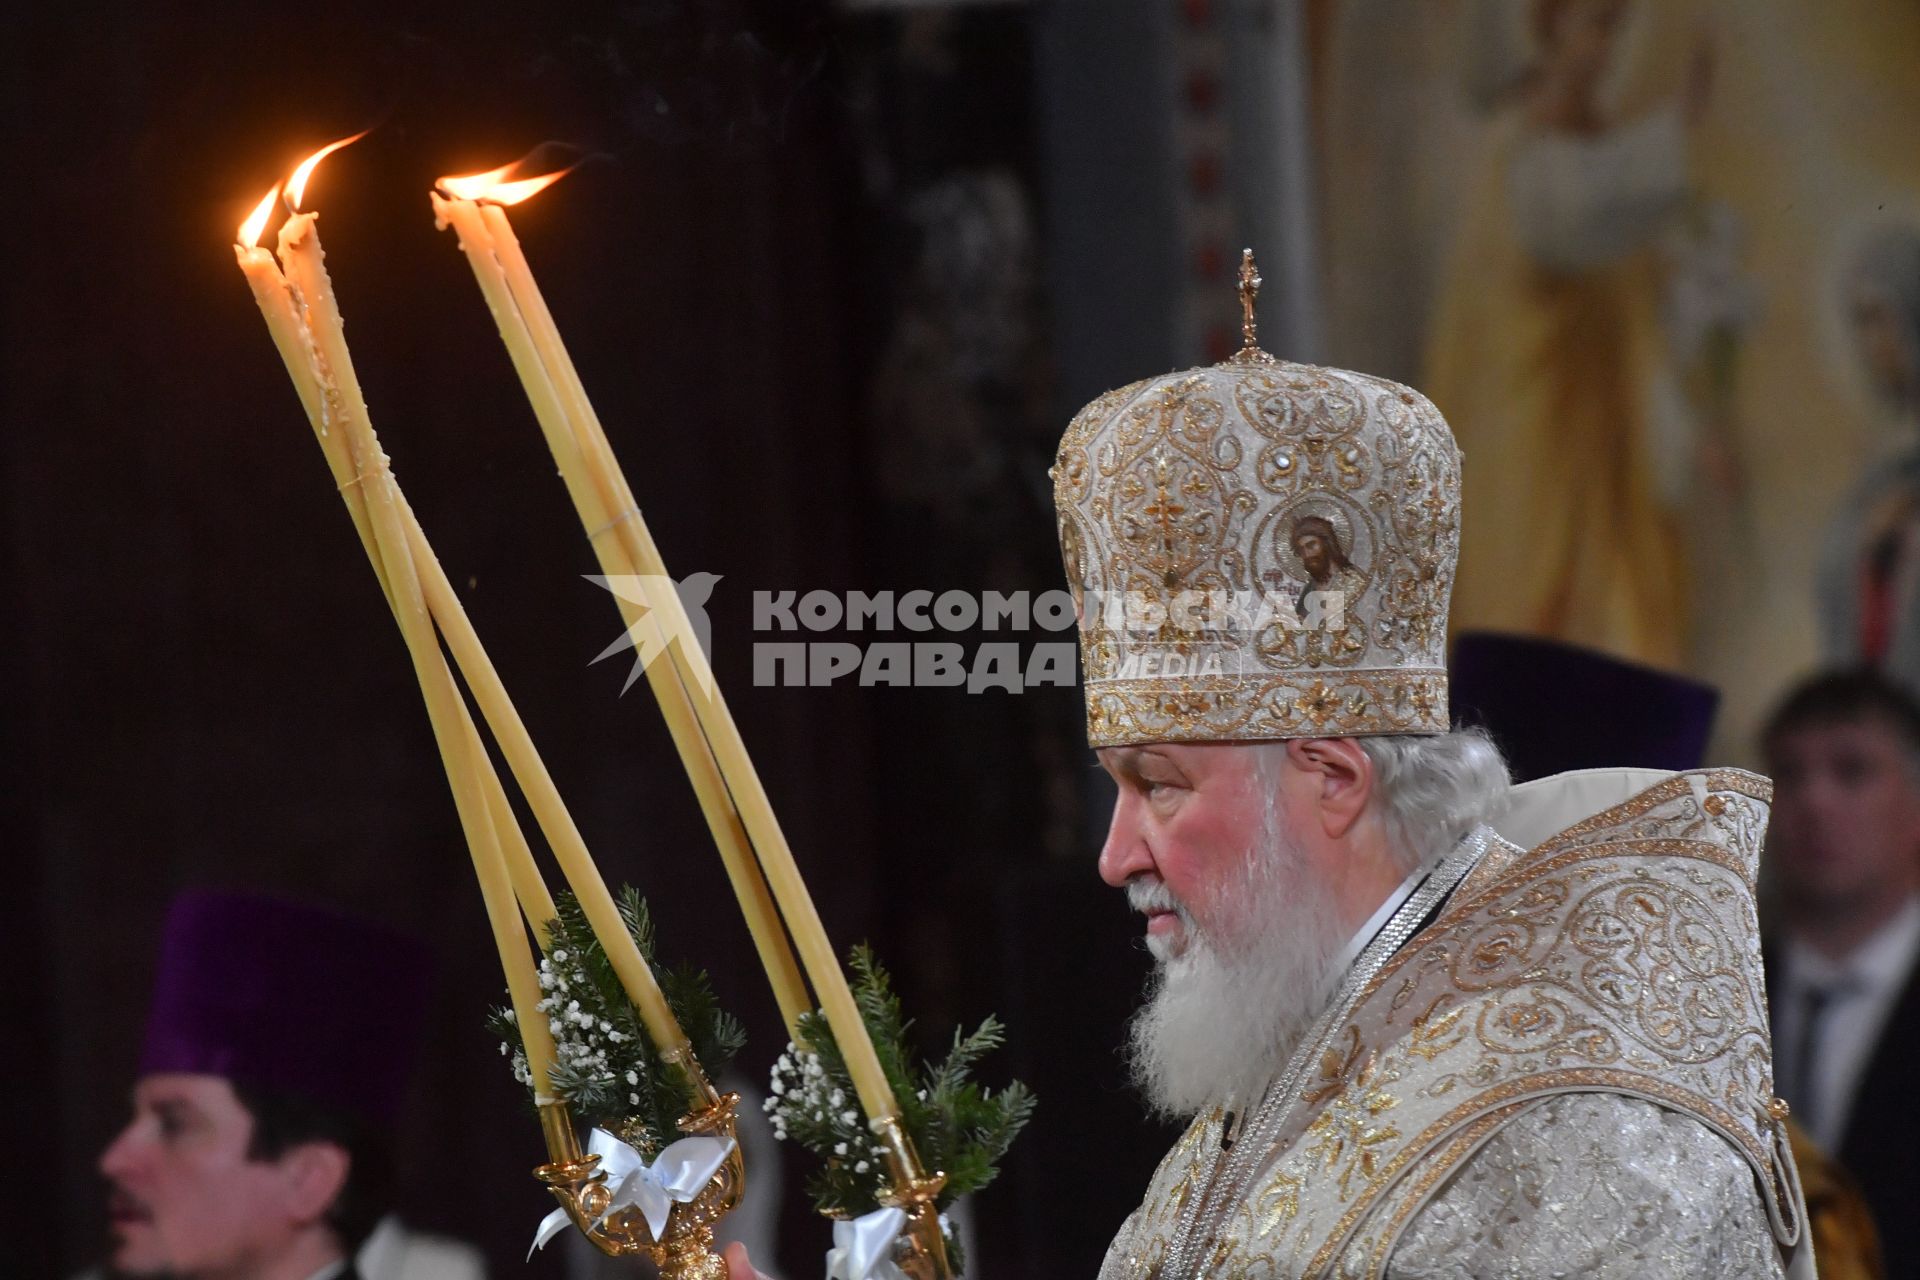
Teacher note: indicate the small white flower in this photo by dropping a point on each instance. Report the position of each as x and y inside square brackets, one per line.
[850, 1117]
[633, 1077]
[860, 1167]
[839, 1148]
[560, 954]
[512, 1016]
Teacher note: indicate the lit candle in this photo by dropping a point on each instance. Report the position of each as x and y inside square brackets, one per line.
[597, 513]
[275, 300]
[313, 343]
[588, 463]
[516, 744]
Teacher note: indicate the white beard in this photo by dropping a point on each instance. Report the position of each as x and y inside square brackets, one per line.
[1223, 1017]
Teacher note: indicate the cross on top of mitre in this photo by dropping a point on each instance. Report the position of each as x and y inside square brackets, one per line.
[1250, 352]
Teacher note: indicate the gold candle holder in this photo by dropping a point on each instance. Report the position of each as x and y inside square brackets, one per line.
[921, 1250]
[685, 1249]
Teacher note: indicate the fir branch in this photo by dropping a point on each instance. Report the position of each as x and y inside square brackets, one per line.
[957, 1126]
[606, 1065]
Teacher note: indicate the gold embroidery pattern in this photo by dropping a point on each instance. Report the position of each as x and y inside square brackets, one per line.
[1353, 1130]
[1212, 485]
[1220, 708]
[1727, 806]
[1143, 1240]
[1734, 806]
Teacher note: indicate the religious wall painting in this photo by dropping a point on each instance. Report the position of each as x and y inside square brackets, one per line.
[1622, 259]
[1869, 577]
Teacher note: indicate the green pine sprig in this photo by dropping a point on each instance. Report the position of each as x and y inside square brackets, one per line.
[606, 1066]
[958, 1126]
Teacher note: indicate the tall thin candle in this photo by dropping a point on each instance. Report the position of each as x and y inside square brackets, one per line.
[340, 404]
[588, 455]
[696, 754]
[275, 300]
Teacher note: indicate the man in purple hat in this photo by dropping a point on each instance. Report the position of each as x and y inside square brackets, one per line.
[275, 1061]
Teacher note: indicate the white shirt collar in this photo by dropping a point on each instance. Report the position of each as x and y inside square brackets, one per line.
[1378, 920]
[1862, 990]
[1881, 960]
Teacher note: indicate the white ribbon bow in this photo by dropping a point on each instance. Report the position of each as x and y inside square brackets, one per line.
[677, 1175]
[863, 1249]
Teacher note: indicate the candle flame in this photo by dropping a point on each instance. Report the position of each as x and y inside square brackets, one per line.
[493, 186]
[249, 233]
[472, 186]
[296, 187]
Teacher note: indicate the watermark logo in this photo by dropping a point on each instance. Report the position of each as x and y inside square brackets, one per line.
[655, 628]
[1007, 665]
[1139, 634]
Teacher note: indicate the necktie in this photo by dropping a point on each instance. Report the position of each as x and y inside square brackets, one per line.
[1816, 1004]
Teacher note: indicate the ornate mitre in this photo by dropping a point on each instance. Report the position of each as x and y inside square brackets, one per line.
[1259, 549]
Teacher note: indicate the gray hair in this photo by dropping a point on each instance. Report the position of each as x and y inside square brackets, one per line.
[1434, 789]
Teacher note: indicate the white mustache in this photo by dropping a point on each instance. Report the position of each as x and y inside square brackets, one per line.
[1146, 896]
[1152, 895]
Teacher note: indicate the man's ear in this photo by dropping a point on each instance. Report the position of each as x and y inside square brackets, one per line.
[1342, 776]
[313, 1175]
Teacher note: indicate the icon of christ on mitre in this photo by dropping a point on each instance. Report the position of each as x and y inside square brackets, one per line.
[1421, 1022]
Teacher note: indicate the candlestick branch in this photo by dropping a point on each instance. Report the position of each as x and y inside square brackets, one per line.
[695, 1186]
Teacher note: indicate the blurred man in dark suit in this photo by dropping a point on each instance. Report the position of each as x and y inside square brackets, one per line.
[1843, 962]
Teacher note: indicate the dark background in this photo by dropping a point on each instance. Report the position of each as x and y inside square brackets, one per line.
[204, 687]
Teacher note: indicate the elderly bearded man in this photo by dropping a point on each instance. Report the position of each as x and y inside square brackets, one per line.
[1423, 1024]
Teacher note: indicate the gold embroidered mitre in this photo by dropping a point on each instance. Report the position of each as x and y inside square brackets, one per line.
[1259, 549]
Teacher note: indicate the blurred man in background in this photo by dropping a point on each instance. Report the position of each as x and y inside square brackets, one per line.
[1844, 753]
[276, 1057]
